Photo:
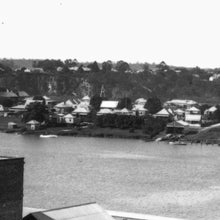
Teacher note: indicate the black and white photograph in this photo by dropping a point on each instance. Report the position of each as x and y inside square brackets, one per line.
[109, 110]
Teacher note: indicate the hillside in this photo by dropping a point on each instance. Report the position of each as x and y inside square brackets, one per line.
[118, 80]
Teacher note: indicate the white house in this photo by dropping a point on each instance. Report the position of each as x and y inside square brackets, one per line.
[81, 110]
[193, 111]
[180, 103]
[140, 101]
[109, 105]
[69, 119]
[33, 125]
[139, 109]
[164, 113]
[193, 120]
[211, 110]
[125, 111]
[104, 111]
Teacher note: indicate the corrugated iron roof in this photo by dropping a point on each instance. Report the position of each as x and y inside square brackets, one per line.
[90, 211]
[109, 104]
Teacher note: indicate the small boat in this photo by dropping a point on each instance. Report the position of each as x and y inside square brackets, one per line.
[48, 136]
[178, 143]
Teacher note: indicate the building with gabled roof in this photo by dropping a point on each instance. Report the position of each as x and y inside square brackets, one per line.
[81, 110]
[69, 119]
[109, 104]
[164, 113]
[22, 94]
[105, 111]
[89, 211]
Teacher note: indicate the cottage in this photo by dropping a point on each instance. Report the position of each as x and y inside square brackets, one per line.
[176, 127]
[33, 125]
[83, 111]
[180, 103]
[12, 125]
[210, 111]
[179, 114]
[86, 99]
[109, 105]
[104, 111]
[22, 94]
[125, 111]
[193, 120]
[69, 119]
[164, 113]
[18, 108]
[139, 110]
[140, 101]
[65, 107]
[193, 111]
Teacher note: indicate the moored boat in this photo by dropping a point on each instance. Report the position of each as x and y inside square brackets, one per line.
[48, 136]
[178, 143]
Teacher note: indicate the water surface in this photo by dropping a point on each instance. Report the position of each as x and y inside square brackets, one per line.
[119, 174]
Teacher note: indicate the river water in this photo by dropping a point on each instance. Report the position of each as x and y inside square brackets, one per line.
[121, 175]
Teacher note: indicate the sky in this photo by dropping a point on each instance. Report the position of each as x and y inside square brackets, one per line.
[179, 32]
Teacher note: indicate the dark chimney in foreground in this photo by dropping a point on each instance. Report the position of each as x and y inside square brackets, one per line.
[11, 188]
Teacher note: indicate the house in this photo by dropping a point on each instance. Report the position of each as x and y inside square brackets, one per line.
[86, 99]
[176, 127]
[69, 119]
[33, 125]
[125, 111]
[12, 125]
[89, 211]
[18, 108]
[8, 94]
[83, 111]
[104, 111]
[140, 101]
[74, 68]
[210, 111]
[22, 94]
[164, 113]
[49, 102]
[139, 110]
[193, 111]
[193, 120]
[65, 107]
[109, 105]
[180, 103]
[179, 114]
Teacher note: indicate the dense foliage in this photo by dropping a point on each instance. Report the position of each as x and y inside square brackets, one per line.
[36, 111]
[149, 125]
[119, 80]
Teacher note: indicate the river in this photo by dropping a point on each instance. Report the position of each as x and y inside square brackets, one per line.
[121, 175]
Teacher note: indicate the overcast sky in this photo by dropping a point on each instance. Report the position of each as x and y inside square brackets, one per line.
[179, 32]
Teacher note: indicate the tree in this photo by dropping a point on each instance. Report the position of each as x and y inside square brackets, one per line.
[125, 103]
[36, 111]
[107, 66]
[96, 101]
[94, 67]
[153, 105]
[6, 102]
[122, 66]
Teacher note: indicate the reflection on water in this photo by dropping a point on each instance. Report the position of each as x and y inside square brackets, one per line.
[125, 175]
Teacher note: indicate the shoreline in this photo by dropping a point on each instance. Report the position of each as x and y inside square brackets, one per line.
[85, 132]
